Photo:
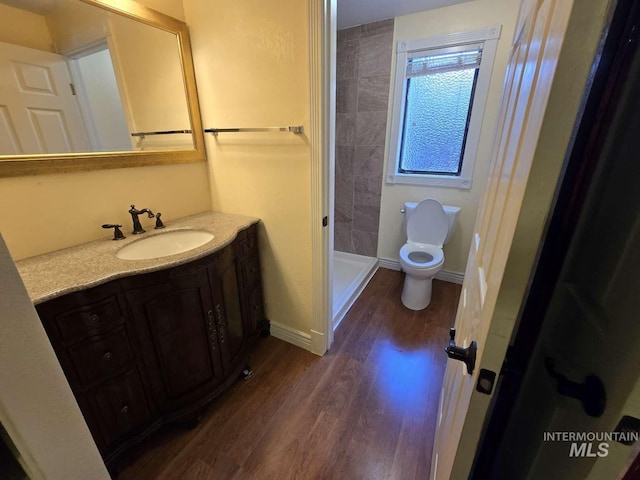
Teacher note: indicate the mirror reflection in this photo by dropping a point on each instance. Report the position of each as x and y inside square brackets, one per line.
[75, 78]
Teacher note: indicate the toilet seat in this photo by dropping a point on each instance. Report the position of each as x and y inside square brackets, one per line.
[408, 257]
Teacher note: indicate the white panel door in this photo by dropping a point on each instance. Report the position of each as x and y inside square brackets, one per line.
[532, 64]
[38, 110]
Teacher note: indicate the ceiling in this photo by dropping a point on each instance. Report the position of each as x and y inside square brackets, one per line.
[359, 12]
[41, 7]
[350, 12]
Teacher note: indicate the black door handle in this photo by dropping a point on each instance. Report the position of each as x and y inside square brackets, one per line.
[466, 355]
[590, 392]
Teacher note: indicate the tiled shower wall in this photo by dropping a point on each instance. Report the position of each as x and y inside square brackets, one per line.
[363, 71]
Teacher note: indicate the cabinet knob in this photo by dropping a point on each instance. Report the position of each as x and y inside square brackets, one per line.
[124, 409]
[108, 356]
[94, 318]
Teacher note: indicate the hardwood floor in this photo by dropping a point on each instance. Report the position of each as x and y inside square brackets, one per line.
[366, 410]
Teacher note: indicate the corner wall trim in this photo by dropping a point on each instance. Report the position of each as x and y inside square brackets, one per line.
[444, 275]
[389, 264]
[317, 343]
[291, 335]
[321, 134]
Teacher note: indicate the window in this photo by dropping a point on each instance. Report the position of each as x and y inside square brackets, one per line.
[440, 92]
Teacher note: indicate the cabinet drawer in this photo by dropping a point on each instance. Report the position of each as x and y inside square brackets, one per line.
[248, 245]
[101, 356]
[251, 272]
[256, 307]
[120, 406]
[89, 319]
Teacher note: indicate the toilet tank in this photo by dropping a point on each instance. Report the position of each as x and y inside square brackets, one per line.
[451, 212]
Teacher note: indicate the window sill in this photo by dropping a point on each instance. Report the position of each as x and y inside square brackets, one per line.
[430, 180]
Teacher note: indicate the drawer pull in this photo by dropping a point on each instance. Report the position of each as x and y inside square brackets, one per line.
[125, 409]
[220, 323]
[213, 333]
[108, 356]
[94, 318]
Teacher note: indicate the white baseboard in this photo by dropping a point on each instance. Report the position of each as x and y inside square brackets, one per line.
[317, 343]
[444, 275]
[451, 277]
[291, 335]
[389, 264]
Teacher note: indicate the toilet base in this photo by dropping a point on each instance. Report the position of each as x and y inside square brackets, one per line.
[416, 293]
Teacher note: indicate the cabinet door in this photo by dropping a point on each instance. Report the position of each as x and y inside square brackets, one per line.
[174, 321]
[228, 313]
[120, 406]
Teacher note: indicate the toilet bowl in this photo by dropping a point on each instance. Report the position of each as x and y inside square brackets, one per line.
[428, 227]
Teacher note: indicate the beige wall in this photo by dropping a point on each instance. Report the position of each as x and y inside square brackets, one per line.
[64, 20]
[173, 8]
[49, 212]
[44, 213]
[24, 28]
[147, 62]
[457, 18]
[251, 61]
[76, 25]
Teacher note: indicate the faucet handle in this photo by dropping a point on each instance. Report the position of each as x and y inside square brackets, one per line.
[117, 233]
[159, 223]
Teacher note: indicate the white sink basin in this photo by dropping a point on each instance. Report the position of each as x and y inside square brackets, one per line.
[164, 244]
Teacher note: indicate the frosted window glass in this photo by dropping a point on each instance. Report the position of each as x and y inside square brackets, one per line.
[435, 122]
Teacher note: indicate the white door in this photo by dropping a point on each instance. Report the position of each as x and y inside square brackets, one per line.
[591, 327]
[38, 110]
[100, 101]
[534, 56]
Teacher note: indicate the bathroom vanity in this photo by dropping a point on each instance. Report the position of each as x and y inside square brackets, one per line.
[148, 342]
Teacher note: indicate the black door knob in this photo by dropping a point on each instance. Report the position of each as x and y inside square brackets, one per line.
[466, 355]
[590, 392]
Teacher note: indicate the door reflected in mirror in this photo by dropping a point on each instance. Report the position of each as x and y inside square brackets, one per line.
[77, 78]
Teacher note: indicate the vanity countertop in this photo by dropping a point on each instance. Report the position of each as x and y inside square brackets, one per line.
[76, 268]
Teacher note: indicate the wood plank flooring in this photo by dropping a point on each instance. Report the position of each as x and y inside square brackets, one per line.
[366, 410]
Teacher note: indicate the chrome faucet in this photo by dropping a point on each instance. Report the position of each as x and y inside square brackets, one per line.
[137, 228]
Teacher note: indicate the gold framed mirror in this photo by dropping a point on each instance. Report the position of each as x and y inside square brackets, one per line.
[131, 97]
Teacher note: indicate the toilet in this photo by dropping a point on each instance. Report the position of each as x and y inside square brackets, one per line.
[428, 225]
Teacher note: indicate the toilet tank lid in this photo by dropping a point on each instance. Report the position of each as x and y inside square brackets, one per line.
[428, 223]
[448, 209]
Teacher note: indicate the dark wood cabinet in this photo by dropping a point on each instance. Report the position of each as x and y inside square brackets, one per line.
[171, 313]
[119, 407]
[251, 284]
[158, 347]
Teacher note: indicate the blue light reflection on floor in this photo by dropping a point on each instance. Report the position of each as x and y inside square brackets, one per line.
[405, 377]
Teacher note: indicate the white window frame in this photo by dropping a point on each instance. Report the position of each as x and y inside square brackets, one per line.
[488, 37]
